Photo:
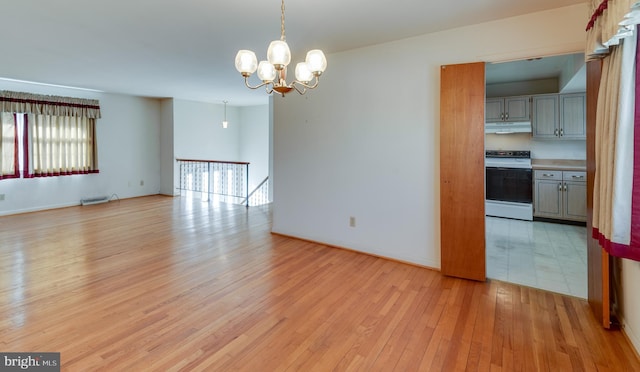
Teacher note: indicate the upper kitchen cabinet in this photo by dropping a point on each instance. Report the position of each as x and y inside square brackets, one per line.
[559, 116]
[545, 123]
[573, 113]
[511, 109]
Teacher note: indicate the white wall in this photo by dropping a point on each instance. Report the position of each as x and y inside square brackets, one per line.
[631, 301]
[254, 143]
[540, 149]
[168, 165]
[365, 143]
[198, 134]
[128, 153]
[522, 88]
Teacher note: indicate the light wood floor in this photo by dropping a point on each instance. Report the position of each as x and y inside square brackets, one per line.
[161, 283]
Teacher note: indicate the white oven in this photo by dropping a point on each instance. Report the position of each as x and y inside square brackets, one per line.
[509, 184]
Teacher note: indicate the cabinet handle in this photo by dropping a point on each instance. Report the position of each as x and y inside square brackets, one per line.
[547, 175]
[555, 132]
[565, 187]
[502, 116]
[561, 132]
[507, 116]
[559, 187]
[578, 177]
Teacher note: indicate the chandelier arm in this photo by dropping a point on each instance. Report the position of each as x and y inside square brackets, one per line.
[306, 86]
[295, 86]
[246, 82]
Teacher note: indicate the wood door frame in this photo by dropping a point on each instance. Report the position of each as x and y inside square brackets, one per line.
[598, 260]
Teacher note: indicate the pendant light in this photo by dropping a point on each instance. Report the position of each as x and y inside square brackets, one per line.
[225, 123]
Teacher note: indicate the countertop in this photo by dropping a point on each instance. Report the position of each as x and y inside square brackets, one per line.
[559, 164]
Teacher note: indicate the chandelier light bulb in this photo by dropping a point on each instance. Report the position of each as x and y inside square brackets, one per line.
[279, 54]
[316, 61]
[266, 72]
[246, 62]
[303, 73]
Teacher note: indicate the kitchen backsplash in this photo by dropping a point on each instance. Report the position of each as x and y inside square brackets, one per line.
[550, 149]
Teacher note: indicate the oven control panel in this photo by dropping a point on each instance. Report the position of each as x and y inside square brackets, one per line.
[508, 154]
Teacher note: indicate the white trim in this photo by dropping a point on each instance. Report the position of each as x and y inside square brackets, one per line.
[633, 336]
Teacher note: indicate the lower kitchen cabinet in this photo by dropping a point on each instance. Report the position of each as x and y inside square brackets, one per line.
[560, 195]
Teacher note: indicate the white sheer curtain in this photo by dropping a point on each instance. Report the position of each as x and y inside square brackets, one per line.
[61, 145]
[8, 145]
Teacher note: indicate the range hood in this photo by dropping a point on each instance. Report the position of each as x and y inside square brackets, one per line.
[507, 128]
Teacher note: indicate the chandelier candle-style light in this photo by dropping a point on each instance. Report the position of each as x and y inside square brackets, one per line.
[273, 72]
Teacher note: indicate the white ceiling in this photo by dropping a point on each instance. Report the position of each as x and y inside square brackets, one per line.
[186, 49]
[569, 69]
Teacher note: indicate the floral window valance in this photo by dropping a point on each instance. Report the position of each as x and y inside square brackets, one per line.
[48, 105]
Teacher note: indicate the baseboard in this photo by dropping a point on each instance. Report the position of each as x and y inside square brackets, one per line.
[373, 254]
[65, 205]
[632, 336]
[39, 209]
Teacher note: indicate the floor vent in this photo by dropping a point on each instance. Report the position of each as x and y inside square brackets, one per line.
[96, 200]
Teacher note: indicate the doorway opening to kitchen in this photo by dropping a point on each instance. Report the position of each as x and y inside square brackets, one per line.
[535, 140]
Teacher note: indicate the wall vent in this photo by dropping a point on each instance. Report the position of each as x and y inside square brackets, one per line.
[94, 200]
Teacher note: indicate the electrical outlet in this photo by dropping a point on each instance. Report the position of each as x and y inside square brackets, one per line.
[1, 197]
[352, 221]
[141, 182]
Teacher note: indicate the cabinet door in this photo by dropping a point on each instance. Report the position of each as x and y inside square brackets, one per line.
[516, 109]
[575, 201]
[493, 110]
[545, 116]
[573, 116]
[548, 199]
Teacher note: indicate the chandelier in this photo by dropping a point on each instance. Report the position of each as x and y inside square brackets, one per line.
[273, 71]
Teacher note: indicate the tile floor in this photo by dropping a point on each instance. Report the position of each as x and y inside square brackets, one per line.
[544, 255]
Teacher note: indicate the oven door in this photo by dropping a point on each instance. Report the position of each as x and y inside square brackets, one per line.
[509, 184]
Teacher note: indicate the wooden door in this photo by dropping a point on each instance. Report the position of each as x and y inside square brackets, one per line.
[597, 258]
[462, 174]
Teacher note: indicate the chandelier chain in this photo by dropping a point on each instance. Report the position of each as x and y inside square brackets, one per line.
[282, 37]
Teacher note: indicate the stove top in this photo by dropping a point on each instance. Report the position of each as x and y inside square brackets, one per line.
[508, 154]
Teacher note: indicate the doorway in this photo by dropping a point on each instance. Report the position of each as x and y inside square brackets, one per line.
[546, 255]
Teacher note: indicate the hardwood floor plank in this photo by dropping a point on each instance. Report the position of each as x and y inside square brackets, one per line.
[169, 284]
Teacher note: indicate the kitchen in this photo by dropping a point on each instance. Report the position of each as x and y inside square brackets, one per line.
[535, 142]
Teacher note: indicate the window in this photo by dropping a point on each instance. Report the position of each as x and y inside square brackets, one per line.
[8, 146]
[45, 136]
[61, 145]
